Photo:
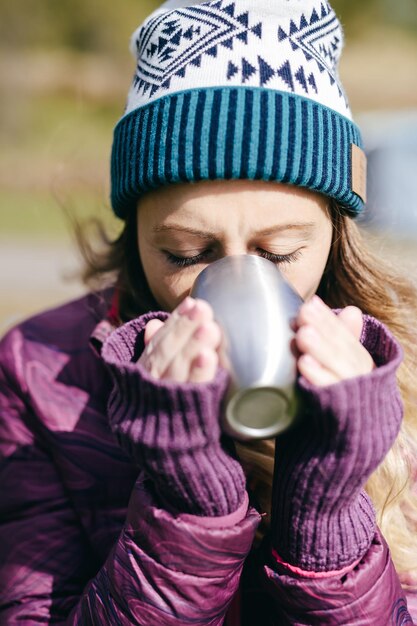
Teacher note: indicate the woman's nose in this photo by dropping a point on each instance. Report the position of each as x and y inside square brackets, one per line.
[235, 249]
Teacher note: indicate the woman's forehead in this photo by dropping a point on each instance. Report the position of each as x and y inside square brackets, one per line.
[231, 191]
[204, 209]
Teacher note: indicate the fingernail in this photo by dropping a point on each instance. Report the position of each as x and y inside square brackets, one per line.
[186, 305]
[194, 312]
[314, 305]
[311, 334]
[294, 350]
[201, 332]
[200, 361]
[308, 360]
[317, 303]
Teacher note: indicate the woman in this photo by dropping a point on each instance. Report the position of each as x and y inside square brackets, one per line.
[122, 501]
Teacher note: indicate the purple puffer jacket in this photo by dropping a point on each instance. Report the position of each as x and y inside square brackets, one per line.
[83, 542]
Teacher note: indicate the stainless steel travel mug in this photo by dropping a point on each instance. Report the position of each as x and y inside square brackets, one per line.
[254, 305]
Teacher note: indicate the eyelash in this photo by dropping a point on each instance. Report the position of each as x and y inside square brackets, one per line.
[199, 258]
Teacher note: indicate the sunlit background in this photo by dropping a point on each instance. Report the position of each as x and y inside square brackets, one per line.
[64, 74]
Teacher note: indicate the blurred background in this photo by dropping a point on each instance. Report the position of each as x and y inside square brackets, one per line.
[65, 69]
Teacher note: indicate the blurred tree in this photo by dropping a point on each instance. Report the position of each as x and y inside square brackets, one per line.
[357, 14]
[85, 25]
[404, 13]
[350, 9]
[100, 26]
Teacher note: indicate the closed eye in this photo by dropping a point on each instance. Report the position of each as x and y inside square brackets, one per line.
[204, 257]
[280, 258]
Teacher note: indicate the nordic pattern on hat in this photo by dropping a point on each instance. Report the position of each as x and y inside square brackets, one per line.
[238, 89]
[285, 45]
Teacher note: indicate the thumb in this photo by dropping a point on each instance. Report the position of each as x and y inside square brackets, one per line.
[352, 318]
[151, 329]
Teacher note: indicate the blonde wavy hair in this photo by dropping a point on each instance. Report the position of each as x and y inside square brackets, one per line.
[353, 276]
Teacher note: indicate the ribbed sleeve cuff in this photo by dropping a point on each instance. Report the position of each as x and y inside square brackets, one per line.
[172, 429]
[322, 518]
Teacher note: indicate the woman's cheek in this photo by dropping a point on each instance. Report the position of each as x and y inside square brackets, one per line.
[305, 276]
[175, 287]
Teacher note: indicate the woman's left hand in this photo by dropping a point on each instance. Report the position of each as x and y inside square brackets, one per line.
[322, 520]
[327, 345]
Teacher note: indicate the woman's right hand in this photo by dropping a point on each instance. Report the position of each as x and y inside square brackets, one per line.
[172, 431]
[185, 348]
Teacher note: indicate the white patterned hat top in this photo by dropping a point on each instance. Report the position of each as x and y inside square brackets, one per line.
[222, 51]
[287, 45]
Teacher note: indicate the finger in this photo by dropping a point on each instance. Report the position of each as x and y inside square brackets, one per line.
[209, 334]
[294, 325]
[176, 332]
[317, 313]
[190, 310]
[338, 353]
[151, 329]
[206, 338]
[314, 372]
[205, 310]
[204, 367]
[294, 348]
[182, 310]
[223, 353]
[338, 345]
[180, 369]
[352, 318]
[314, 311]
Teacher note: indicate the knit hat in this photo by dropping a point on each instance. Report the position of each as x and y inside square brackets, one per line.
[238, 89]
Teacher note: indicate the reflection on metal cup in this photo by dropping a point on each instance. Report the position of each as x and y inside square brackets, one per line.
[254, 305]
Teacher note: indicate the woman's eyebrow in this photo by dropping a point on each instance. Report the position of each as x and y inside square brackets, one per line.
[305, 228]
[166, 228]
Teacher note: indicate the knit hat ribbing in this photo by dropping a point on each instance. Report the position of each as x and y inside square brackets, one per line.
[238, 89]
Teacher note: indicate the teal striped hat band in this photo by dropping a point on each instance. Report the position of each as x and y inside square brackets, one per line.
[301, 134]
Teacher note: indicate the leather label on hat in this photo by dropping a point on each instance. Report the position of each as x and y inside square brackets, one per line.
[359, 166]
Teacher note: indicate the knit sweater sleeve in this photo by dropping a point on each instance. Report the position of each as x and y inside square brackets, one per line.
[329, 563]
[172, 430]
[323, 520]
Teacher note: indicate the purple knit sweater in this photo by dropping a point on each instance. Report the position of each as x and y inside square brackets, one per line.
[84, 540]
[321, 518]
